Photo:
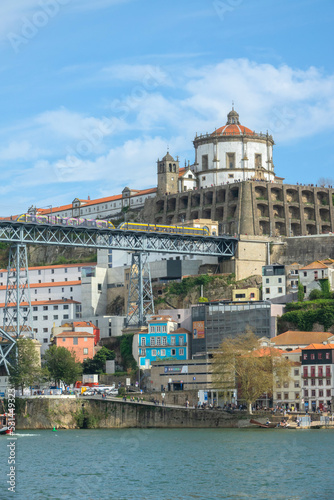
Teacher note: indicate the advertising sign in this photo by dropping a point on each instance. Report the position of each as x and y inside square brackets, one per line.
[198, 330]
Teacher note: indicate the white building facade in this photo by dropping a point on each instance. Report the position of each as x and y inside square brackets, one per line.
[233, 153]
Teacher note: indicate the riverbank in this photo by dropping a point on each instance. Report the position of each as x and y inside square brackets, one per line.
[78, 413]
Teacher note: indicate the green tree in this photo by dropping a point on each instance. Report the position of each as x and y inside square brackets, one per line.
[26, 368]
[300, 292]
[97, 363]
[128, 360]
[315, 294]
[62, 365]
[241, 363]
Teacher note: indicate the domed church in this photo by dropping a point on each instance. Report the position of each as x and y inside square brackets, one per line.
[233, 153]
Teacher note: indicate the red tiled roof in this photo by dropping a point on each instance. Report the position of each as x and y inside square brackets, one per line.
[300, 338]
[44, 302]
[98, 201]
[318, 264]
[319, 346]
[233, 129]
[58, 266]
[45, 285]
[180, 330]
[75, 334]
[84, 323]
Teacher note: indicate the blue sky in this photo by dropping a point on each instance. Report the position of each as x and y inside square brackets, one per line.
[94, 91]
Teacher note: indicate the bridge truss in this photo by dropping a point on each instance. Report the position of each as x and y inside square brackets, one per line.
[141, 243]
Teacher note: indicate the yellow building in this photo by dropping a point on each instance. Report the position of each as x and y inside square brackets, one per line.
[245, 294]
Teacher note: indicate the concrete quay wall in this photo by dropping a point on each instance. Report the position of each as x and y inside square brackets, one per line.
[98, 413]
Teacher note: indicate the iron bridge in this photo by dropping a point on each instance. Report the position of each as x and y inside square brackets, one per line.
[117, 239]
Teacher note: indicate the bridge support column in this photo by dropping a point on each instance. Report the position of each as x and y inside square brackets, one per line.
[140, 298]
[17, 311]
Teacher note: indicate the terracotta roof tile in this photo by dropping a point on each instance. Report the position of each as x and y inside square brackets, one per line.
[319, 346]
[300, 338]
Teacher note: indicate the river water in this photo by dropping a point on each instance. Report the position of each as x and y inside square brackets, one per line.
[157, 464]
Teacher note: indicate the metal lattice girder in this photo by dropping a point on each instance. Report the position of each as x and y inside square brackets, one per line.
[117, 239]
[140, 299]
[7, 345]
[16, 316]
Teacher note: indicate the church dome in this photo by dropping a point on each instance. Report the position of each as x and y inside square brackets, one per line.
[233, 126]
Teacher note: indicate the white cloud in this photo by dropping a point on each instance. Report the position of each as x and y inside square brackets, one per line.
[64, 146]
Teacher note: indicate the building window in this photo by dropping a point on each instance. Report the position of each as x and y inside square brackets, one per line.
[312, 381]
[205, 162]
[328, 392]
[45, 308]
[158, 329]
[143, 352]
[286, 385]
[296, 384]
[258, 160]
[327, 355]
[304, 356]
[328, 371]
[64, 340]
[99, 287]
[163, 352]
[280, 290]
[63, 289]
[172, 341]
[328, 381]
[45, 330]
[52, 271]
[39, 272]
[312, 356]
[55, 308]
[181, 341]
[85, 351]
[143, 341]
[305, 273]
[173, 351]
[55, 316]
[154, 352]
[319, 355]
[45, 318]
[45, 340]
[286, 395]
[279, 280]
[321, 393]
[306, 393]
[65, 316]
[279, 395]
[305, 381]
[35, 318]
[75, 340]
[296, 372]
[65, 270]
[35, 308]
[181, 352]
[65, 306]
[164, 340]
[267, 290]
[158, 340]
[319, 371]
[267, 280]
[152, 341]
[152, 329]
[230, 160]
[320, 382]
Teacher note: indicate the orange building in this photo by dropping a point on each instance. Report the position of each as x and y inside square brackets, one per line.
[81, 343]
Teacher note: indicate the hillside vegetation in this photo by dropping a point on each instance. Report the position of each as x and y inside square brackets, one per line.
[188, 291]
[311, 315]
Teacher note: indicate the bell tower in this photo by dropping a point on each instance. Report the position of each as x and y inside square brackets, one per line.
[168, 175]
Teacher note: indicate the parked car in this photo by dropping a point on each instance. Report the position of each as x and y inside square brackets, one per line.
[112, 392]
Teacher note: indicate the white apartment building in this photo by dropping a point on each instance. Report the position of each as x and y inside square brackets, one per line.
[55, 293]
[273, 281]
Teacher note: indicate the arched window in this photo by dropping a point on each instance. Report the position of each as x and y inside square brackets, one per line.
[170, 167]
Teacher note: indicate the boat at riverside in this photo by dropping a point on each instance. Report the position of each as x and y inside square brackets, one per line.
[268, 425]
[4, 429]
